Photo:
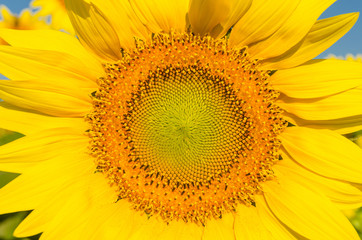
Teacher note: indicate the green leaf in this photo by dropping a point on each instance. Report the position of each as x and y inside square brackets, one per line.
[7, 136]
[8, 226]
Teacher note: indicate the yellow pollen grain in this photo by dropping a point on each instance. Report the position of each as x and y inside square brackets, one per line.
[185, 128]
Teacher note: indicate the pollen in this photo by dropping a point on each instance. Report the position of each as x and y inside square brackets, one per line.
[185, 127]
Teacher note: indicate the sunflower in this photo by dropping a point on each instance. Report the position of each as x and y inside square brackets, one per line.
[56, 9]
[25, 21]
[201, 119]
[348, 57]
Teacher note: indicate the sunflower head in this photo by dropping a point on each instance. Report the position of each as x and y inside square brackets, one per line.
[179, 134]
[56, 9]
[348, 57]
[200, 119]
[25, 21]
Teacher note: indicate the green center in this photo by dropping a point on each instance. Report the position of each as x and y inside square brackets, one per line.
[186, 124]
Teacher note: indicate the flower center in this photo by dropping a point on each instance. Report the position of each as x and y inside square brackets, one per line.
[186, 125]
[185, 128]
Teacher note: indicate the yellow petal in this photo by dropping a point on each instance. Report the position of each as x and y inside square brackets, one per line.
[16, 167]
[37, 220]
[274, 226]
[27, 20]
[67, 220]
[20, 63]
[341, 125]
[248, 224]
[342, 105]
[59, 16]
[114, 221]
[181, 231]
[41, 146]
[215, 17]
[162, 15]
[69, 209]
[149, 227]
[41, 218]
[75, 206]
[124, 20]
[307, 213]
[292, 31]
[78, 89]
[8, 19]
[41, 182]
[324, 152]
[318, 78]
[238, 10]
[48, 101]
[321, 36]
[220, 228]
[261, 21]
[94, 30]
[204, 15]
[76, 234]
[258, 223]
[104, 211]
[22, 121]
[52, 41]
[175, 230]
[343, 194]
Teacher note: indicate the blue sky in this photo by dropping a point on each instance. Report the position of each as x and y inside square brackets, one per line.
[350, 43]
